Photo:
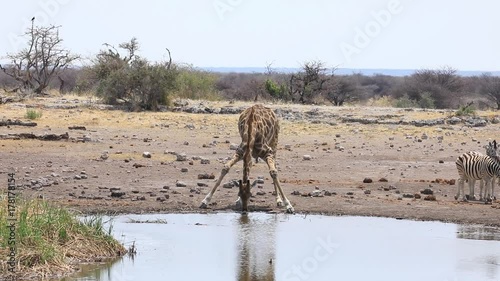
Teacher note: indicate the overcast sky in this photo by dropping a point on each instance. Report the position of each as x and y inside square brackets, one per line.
[394, 34]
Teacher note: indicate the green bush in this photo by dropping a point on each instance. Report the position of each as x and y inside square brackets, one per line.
[465, 110]
[196, 84]
[33, 114]
[132, 80]
[405, 102]
[426, 101]
[277, 91]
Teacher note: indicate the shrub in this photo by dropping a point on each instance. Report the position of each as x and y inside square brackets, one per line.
[196, 84]
[33, 114]
[405, 102]
[465, 110]
[133, 80]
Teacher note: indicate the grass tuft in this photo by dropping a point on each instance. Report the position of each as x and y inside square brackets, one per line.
[51, 240]
[33, 114]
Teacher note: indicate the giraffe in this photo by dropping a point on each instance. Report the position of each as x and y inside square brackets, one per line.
[259, 128]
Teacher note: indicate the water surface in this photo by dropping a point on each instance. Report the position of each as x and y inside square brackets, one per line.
[265, 247]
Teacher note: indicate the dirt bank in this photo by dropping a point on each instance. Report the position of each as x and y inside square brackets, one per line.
[100, 167]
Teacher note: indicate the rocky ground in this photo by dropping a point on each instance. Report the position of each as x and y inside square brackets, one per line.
[333, 160]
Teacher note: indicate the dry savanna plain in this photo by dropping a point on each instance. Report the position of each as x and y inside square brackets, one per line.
[113, 161]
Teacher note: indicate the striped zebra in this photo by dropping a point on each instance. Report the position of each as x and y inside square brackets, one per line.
[474, 166]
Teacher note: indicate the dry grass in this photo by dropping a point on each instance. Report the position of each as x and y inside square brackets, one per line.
[51, 240]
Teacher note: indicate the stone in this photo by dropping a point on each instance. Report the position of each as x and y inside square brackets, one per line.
[117, 194]
[306, 157]
[180, 184]
[427, 191]
[430, 198]
[367, 180]
[181, 157]
[146, 154]
[206, 176]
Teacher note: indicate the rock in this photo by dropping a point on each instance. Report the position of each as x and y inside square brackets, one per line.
[407, 195]
[117, 194]
[316, 193]
[295, 192]
[146, 154]
[367, 180]
[368, 191]
[184, 170]
[383, 180]
[181, 157]
[441, 161]
[205, 161]
[427, 191]
[430, 198]
[451, 182]
[417, 196]
[206, 176]
[166, 187]
[233, 146]
[453, 120]
[228, 185]
[201, 184]
[180, 184]
[350, 193]
[260, 193]
[306, 157]
[186, 143]
[328, 193]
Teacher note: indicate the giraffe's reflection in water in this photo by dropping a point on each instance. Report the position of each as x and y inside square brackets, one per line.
[256, 248]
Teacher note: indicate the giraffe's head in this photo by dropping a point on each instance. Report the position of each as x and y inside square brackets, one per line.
[244, 194]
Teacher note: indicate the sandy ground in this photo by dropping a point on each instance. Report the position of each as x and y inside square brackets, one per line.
[402, 160]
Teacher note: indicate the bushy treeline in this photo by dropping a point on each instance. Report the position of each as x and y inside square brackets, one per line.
[119, 75]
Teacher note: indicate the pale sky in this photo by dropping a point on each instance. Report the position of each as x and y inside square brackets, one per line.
[391, 34]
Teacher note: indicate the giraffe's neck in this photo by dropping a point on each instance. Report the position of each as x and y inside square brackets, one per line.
[247, 156]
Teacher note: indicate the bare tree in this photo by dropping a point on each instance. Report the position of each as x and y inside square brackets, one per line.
[41, 61]
[339, 89]
[308, 83]
[490, 87]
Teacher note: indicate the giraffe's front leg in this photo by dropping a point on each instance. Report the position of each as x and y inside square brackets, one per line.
[279, 191]
[225, 170]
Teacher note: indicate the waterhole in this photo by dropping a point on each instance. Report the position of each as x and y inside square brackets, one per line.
[265, 247]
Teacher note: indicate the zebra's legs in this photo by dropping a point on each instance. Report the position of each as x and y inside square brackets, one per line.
[460, 189]
[472, 183]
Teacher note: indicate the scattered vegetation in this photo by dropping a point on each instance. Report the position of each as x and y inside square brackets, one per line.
[120, 76]
[33, 114]
[466, 110]
[50, 239]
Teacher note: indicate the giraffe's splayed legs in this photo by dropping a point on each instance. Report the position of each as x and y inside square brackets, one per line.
[223, 173]
[280, 195]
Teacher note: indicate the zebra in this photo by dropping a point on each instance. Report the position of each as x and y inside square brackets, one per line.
[474, 166]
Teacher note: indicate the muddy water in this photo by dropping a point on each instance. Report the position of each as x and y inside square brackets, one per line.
[267, 247]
